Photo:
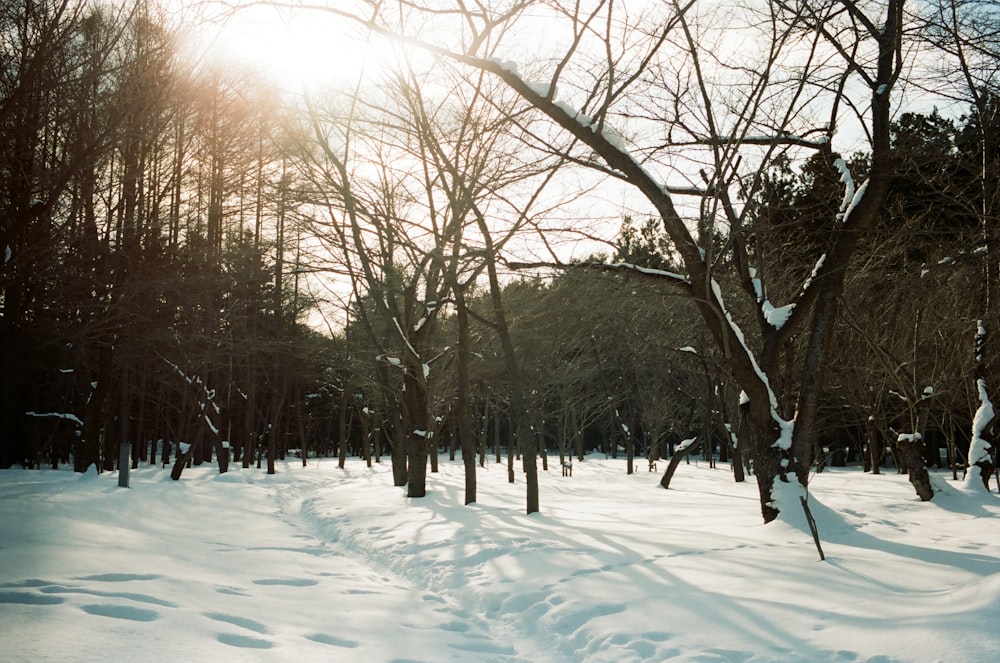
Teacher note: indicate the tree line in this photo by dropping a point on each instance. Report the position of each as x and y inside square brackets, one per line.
[785, 304]
[148, 290]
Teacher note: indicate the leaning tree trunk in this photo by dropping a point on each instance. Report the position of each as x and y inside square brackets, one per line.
[680, 454]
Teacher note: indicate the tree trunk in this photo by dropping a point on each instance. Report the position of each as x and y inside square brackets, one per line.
[342, 429]
[366, 434]
[876, 447]
[180, 463]
[462, 410]
[911, 449]
[981, 445]
[679, 455]
[417, 430]
[89, 453]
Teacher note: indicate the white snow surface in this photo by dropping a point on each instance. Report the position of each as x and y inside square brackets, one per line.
[322, 564]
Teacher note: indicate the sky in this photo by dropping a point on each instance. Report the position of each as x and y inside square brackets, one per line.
[321, 564]
[292, 49]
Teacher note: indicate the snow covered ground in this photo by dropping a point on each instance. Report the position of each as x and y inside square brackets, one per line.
[323, 564]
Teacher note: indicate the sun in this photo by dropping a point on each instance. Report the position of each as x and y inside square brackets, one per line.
[297, 48]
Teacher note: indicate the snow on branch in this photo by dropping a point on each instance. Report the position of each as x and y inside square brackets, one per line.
[776, 316]
[818, 266]
[649, 271]
[848, 180]
[785, 426]
[406, 339]
[208, 393]
[597, 126]
[684, 445]
[858, 195]
[431, 308]
[57, 415]
[766, 140]
[392, 361]
[673, 277]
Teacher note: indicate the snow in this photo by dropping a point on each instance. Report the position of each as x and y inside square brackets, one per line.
[685, 444]
[542, 89]
[649, 270]
[776, 316]
[609, 134]
[848, 181]
[818, 266]
[506, 65]
[318, 564]
[7, 255]
[980, 449]
[858, 195]
[758, 287]
[784, 440]
[57, 415]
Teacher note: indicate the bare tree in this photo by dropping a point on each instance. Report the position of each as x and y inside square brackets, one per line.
[656, 100]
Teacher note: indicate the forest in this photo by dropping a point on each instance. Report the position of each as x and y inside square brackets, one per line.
[777, 254]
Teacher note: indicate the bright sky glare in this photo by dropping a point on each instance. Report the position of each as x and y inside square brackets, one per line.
[292, 48]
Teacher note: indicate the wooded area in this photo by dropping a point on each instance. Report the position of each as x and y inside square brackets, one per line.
[165, 225]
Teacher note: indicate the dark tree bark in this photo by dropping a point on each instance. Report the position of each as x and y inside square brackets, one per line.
[911, 450]
[463, 411]
[675, 460]
[876, 448]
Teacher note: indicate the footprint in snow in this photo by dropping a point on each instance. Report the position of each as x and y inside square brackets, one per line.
[286, 582]
[130, 596]
[243, 641]
[326, 639]
[26, 598]
[242, 622]
[119, 577]
[121, 612]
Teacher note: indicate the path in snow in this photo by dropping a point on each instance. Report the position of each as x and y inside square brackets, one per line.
[468, 634]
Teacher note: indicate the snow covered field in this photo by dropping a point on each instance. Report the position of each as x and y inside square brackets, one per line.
[323, 564]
